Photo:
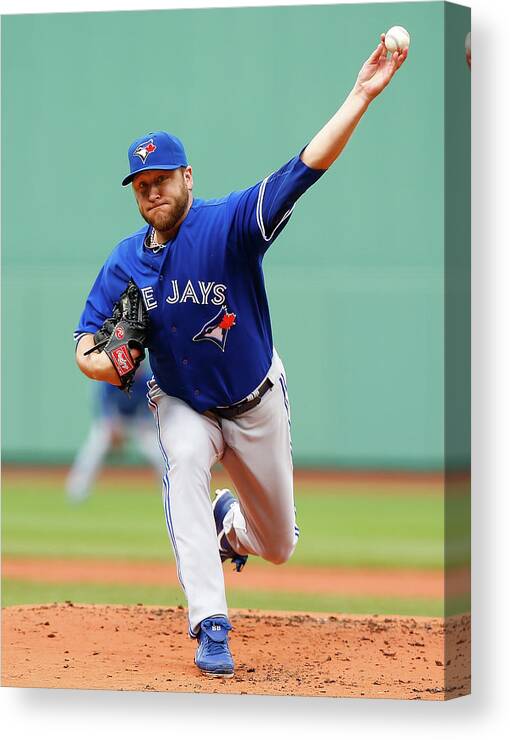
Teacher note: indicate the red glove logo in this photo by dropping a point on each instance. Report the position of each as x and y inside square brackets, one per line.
[122, 360]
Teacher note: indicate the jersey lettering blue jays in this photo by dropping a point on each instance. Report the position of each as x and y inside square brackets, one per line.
[209, 340]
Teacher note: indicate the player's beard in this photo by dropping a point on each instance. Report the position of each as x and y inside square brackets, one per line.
[165, 219]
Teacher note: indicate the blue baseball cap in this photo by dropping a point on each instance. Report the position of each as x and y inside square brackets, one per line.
[158, 150]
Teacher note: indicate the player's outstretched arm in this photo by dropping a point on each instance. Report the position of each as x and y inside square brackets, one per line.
[373, 77]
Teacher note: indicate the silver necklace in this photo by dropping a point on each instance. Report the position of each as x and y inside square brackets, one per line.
[153, 244]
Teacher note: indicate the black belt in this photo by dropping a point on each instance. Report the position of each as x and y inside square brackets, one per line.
[230, 412]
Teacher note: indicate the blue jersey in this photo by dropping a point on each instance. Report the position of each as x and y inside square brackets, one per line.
[209, 338]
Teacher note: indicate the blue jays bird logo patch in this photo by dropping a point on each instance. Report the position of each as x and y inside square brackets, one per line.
[216, 330]
[143, 150]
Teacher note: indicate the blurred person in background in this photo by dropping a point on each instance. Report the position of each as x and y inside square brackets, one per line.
[118, 419]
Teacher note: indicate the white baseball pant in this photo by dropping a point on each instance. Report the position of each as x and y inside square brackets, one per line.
[255, 448]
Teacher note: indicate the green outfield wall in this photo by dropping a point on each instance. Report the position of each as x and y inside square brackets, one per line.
[356, 280]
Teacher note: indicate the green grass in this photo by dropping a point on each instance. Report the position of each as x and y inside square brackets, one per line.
[21, 592]
[353, 525]
[359, 527]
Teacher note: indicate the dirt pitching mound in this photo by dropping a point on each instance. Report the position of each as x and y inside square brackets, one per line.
[139, 648]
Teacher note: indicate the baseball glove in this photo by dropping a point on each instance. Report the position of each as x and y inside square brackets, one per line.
[126, 329]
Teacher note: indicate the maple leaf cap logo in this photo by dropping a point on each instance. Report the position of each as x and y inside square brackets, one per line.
[143, 150]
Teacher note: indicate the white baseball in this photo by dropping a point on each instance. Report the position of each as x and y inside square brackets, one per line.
[397, 39]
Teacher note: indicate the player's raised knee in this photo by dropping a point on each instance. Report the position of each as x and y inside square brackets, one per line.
[280, 552]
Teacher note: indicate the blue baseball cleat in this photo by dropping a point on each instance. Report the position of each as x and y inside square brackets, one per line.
[221, 506]
[213, 656]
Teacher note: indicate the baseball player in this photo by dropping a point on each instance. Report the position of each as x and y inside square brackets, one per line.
[118, 417]
[219, 389]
